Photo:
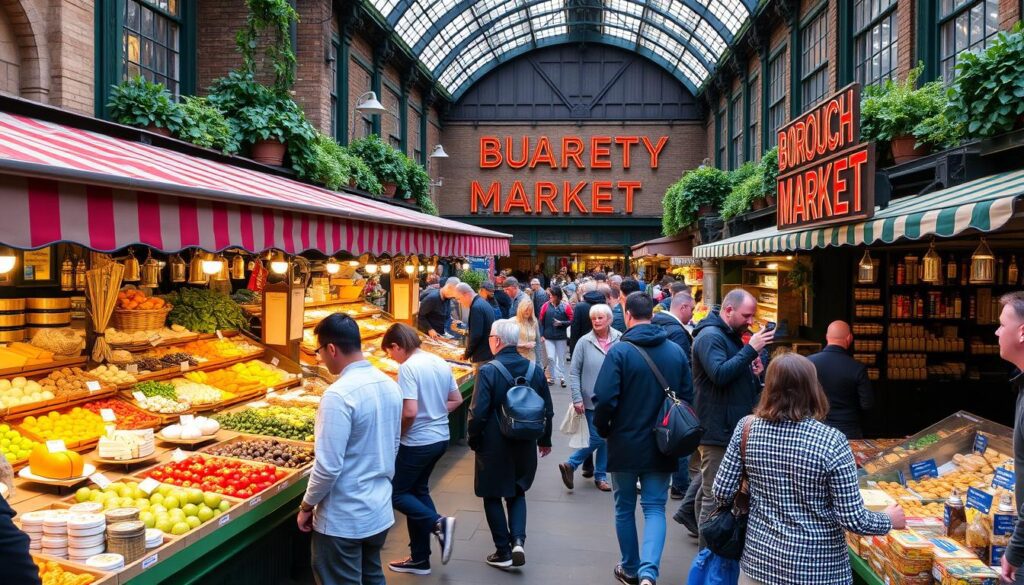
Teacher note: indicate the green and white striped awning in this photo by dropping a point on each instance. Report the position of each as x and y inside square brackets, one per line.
[984, 204]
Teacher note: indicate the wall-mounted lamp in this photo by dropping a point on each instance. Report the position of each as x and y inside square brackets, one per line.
[439, 154]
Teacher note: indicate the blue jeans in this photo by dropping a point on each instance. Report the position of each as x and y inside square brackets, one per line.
[506, 530]
[640, 560]
[597, 444]
[681, 478]
[410, 493]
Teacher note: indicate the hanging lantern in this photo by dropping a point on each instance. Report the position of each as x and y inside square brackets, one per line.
[178, 268]
[371, 268]
[195, 269]
[238, 268]
[80, 269]
[132, 271]
[932, 270]
[67, 273]
[431, 269]
[332, 266]
[983, 265]
[222, 273]
[150, 272]
[866, 270]
[409, 268]
[279, 263]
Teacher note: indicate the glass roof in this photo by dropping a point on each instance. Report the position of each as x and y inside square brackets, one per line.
[461, 40]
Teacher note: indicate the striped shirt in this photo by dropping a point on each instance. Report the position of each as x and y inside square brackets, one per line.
[803, 494]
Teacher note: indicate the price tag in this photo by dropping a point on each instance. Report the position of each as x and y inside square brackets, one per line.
[178, 456]
[184, 366]
[224, 519]
[926, 468]
[148, 485]
[149, 561]
[107, 414]
[56, 446]
[101, 480]
[155, 339]
[980, 443]
[187, 419]
[997, 555]
[979, 500]
[139, 396]
[110, 429]
[93, 386]
[219, 334]
[1004, 478]
[132, 368]
[255, 501]
[1002, 524]
[274, 361]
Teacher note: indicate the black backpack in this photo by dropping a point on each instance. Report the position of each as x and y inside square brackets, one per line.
[677, 429]
[521, 417]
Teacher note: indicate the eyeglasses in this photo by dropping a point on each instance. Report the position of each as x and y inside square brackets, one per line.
[320, 348]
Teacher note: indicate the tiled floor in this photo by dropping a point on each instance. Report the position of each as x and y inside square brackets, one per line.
[570, 535]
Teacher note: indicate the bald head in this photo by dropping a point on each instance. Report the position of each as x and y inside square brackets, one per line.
[839, 334]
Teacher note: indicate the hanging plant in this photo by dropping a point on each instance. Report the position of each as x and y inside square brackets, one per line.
[419, 186]
[669, 218]
[275, 16]
[769, 175]
[387, 163]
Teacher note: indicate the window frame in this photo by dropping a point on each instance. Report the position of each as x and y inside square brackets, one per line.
[950, 19]
[779, 55]
[722, 134]
[753, 117]
[892, 11]
[736, 147]
[810, 75]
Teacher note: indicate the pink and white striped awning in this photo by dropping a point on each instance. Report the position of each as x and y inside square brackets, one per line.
[63, 184]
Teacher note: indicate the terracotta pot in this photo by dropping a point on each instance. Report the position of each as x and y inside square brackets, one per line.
[903, 149]
[769, 200]
[161, 131]
[758, 203]
[390, 189]
[268, 152]
[705, 210]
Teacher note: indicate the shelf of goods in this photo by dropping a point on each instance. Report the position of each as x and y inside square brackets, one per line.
[777, 301]
[962, 453]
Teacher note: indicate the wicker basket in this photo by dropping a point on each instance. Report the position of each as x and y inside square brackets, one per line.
[133, 320]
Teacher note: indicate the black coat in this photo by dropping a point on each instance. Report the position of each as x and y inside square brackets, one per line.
[434, 312]
[581, 324]
[628, 398]
[677, 334]
[481, 317]
[846, 383]
[503, 464]
[540, 296]
[618, 318]
[725, 385]
[504, 302]
[17, 566]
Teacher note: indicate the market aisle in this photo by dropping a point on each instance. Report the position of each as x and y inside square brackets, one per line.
[570, 536]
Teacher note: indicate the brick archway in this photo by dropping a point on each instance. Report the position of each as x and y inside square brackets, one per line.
[29, 24]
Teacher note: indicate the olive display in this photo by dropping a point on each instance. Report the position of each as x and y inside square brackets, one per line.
[267, 451]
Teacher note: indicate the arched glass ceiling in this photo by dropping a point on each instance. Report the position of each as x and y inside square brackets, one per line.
[460, 40]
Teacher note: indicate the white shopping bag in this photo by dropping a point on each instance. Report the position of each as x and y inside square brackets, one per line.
[571, 422]
[581, 438]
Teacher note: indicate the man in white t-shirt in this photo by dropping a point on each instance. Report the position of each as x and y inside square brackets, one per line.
[429, 393]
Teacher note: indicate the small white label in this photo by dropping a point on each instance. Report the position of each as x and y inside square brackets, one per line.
[255, 501]
[138, 396]
[178, 456]
[148, 485]
[93, 386]
[110, 429]
[155, 339]
[220, 335]
[274, 361]
[149, 561]
[56, 446]
[100, 480]
[281, 486]
[132, 368]
[224, 519]
[307, 472]
[107, 414]
[187, 419]
[184, 366]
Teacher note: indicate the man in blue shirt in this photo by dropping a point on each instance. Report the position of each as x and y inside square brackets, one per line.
[347, 504]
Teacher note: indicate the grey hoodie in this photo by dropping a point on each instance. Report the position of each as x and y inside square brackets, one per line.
[586, 364]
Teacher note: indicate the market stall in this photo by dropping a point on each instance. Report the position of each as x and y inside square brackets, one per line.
[154, 303]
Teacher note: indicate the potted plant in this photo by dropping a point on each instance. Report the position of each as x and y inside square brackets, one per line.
[419, 186]
[142, 103]
[268, 129]
[670, 215]
[704, 189]
[386, 163]
[769, 175]
[891, 112]
[987, 94]
[204, 125]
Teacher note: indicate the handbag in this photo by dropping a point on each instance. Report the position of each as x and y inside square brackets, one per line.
[677, 429]
[725, 530]
[711, 569]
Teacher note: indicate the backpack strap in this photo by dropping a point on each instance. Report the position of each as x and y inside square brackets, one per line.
[504, 372]
[654, 369]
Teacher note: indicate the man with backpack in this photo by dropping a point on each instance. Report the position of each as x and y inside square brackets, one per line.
[629, 399]
[509, 425]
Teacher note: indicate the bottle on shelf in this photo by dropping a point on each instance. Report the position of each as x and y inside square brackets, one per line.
[951, 270]
[1012, 272]
[999, 271]
[964, 271]
[958, 306]
[901, 273]
[955, 517]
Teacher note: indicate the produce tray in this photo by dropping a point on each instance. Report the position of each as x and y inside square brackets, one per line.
[129, 404]
[139, 346]
[271, 490]
[102, 578]
[43, 369]
[244, 437]
[174, 372]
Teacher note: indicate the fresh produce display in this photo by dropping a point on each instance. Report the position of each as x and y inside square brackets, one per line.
[384, 364]
[67, 383]
[197, 394]
[127, 416]
[76, 426]
[241, 378]
[133, 299]
[353, 310]
[147, 365]
[275, 421]
[244, 296]
[174, 359]
[170, 509]
[205, 311]
[164, 389]
[267, 451]
[19, 391]
[22, 355]
[198, 428]
[112, 375]
[13, 445]
[220, 349]
[52, 573]
[116, 337]
[59, 465]
[224, 476]
[163, 405]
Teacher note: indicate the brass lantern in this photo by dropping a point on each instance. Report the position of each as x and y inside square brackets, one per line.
[132, 271]
[150, 272]
[67, 273]
[932, 269]
[223, 273]
[983, 264]
[195, 269]
[80, 269]
[178, 268]
[237, 268]
[866, 269]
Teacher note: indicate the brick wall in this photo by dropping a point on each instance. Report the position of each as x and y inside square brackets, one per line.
[1009, 13]
[906, 17]
[683, 151]
[312, 75]
[216, 55]
[10, 63]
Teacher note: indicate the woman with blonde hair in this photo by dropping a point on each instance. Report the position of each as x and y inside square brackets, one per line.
[529, 331]
[802, 482]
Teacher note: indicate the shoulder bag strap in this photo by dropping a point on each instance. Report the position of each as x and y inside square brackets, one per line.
[654, 368]
[529, 373]
[742, 499]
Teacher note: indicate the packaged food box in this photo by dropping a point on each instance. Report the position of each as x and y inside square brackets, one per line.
[927, 526]
[909, 545]
[893, 576]
[964, 572]
[876, 500]
[945, 548]
[908, 566]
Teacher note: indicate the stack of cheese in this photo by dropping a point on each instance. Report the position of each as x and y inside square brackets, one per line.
[86, 536]
[32, 525]
[20, 355]
[127, 444]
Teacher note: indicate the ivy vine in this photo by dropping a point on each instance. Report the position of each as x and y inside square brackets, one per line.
[276, 16]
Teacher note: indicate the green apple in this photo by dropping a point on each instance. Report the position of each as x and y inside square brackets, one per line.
[156, 498]
[171, 502]
[137, 493]
[180, 528]
[224, 506]
[96, 497]
[190, 509]
[195, 496]
[142, 503]
[165, 525]
[177, 514]
[158, 509]
[148, 518]
[165, 489]
[211, 499]
[204, 514]
[193, 522]
[82, 495]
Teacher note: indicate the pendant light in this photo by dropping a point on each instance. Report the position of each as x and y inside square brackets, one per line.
[866, 271]
[178, 268]
[385, 268]
[279, 264]
[421, 268]
[195, 268]
[67, 273]
[332, 266]
[431, 269]
[150, 272]
[80, 269]
[222, 273]
[132, 271]
[238, 268]
[932, 269]
[353, 263]
[983, 264]
[211, 265]
[7, 260]
[371, 268]
[409, 269]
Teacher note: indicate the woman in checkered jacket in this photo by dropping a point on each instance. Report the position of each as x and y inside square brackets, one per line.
[803, 485]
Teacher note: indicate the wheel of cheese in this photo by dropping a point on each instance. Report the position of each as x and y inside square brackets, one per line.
[87, 508]
[86, 541]
[106, 562]
[55, 541]
[60, 465]
[85, 553]
[33, 518]
[85, 521]
[88, 531]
